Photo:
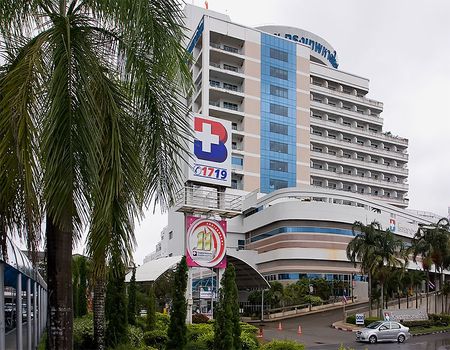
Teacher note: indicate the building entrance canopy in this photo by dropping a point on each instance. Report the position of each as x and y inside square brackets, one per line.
[246, 276]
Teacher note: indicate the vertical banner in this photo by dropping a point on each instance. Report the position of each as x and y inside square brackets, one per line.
[211, 152]
[205, 242]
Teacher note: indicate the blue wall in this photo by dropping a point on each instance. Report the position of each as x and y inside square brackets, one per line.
[287, 63]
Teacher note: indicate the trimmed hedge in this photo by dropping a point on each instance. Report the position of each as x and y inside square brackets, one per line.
[156, 338]
[282, 345]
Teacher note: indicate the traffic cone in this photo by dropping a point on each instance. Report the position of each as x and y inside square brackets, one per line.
[280, 328]
[299, 332]
[261, 333]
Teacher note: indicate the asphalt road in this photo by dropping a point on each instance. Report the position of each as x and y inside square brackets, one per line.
[318, 334]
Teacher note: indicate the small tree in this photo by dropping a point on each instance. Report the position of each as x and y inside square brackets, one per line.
[132, 298]
[151, 309]
[115, 308]
[177, 326]
[227, 329]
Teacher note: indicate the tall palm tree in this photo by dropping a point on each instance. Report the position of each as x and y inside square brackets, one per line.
[390, 253]
[362, 249]
[432, 244]
[417, 277]
[78, 70]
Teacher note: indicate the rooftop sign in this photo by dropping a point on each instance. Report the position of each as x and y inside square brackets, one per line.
[320, 49]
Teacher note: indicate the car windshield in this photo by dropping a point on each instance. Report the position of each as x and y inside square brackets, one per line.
[374, 325]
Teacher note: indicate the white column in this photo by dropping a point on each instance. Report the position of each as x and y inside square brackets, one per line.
[40, 311]
[35, 316]
[2, 306]
[19, 343]
[205, 67]
[29, 334]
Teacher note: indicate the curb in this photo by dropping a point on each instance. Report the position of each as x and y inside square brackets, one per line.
[343, 328]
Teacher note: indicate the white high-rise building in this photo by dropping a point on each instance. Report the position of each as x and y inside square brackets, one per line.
[309, 152]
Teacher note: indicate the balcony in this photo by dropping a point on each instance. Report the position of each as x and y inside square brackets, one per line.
[367, 181]
[359, 163]
[229, 68]
[341, 111]
[226, 48]
[353, 98]
[362, 132]
[355, 147]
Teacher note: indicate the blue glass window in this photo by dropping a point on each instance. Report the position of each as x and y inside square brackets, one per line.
[279, 147]
[276, 184]
[279, 128]
[278, 91]
[237, 161]
[278, 73]
[279, 165]
[279, 55]
[279, 110]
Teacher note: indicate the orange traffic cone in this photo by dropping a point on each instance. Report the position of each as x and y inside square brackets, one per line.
[299, 332]
[261, 333]
[280, 328]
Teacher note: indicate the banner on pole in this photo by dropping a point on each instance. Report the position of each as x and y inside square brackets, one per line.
[205, 242]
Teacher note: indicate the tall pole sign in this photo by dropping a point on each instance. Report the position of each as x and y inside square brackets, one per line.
[211, 152]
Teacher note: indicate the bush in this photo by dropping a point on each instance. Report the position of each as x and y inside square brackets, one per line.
[248, 328]
[200, 318]
[156, 338]
[249, 341]
[369, 320]
[282, 345]
[83, 333]
[351, 319]
[162, 318]
[135, 336]
[196, 330]
[420, 323]
[314, 300]
[440, 319]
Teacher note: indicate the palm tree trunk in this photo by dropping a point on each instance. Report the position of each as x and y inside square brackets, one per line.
[99, 312]
[441, 288]
[427, 287]
[435, 289]
[59, 272]
[382, 300]
[369, 288]
[3, 233]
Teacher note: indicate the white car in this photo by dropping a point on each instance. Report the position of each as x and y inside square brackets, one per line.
[381, 331]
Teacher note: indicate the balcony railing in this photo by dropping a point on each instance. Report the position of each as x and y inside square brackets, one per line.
[350, 96]
[366, 133]
[226, 86]
[227, 67]
[226, 48]
[358, 162]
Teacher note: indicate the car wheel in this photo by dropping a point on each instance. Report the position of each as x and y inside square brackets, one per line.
[401, 338]
[372, 339]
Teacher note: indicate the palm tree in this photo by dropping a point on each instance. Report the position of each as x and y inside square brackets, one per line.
[362, 249]
[390, 253]
[417, 277]
[432, 243]
[76, 74]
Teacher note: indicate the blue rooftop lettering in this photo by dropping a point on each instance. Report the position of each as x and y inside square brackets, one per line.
[315, 46]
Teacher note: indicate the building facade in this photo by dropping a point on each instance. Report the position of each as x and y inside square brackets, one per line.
[309, 152]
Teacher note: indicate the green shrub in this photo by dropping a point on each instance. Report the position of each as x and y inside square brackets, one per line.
[248, 328]
[369, 320]
[421, 323]
[196, 330]
[141, 323]
[249, 341]
[200, 318]
[207, 339]
[313, 299]
[135, 336]
[83, 333]
[156, 338]
[282, 345]
[439, 319]
[351, 319]
[162, 318]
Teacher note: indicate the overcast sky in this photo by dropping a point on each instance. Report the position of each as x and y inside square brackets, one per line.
[403, 47]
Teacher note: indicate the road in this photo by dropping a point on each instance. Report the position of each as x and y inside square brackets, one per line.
[318, 334]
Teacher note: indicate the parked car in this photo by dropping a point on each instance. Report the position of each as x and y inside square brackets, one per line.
[382, 331]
